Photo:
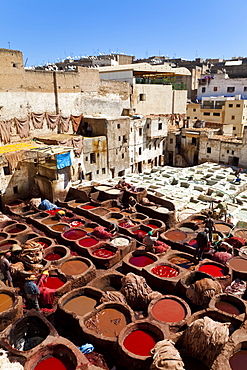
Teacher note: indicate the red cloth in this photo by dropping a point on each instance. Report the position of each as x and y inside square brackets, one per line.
[160, 247]
[235, 242]
[102, 233]
[47, 295]
[222, 257]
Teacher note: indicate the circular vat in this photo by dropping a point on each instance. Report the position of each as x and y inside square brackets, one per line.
[135, 261]
[28, 333]
[175, 235]
[74, 234]
[241, 233]
[45, 242]
[6, 244]
[154, 224]
[60, 228]
[39, 216]
[75, 266]
[3, 236]
[87, 206]
[104, 254]
[238, 359]
[89, 227]
[75, 203]
[169, 309]
[108, 320]
[239, 267]
[228, 303]
[136, 341]
[183, 260]
[6, 223]
[114, 217]
[138, 217]
[108, 282]
[88, 242]
[56, 254]
[16, 229]
[54, 281]
[214, 269]
[57, 356]
[223, 227]
[188, 227]
[164, 270]
[79, 301]
[78, 222]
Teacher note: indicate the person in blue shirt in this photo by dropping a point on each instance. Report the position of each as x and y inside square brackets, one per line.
[32, 292]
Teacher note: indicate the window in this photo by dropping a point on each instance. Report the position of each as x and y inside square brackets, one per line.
[103, 171]
[142, 97]
[245, 88]
[149, 147]
[147, 125]
[231, 89]
[195, 117]
[194, 109]
[86, 159]
[140, 150]
[118, 125]
[208, 150]
[234, 128]
[227, 151]
[216, 114]
[119, 138]
[232, 152]
[6, 170]
[171, 141]
[203, 89]
[122, 155]
[15, 189]
[215, 88]
[206, 113]
[97, 172]
[15, 65]
[230, 105]
[160, 126]
[140, 131]
[238, 105]
[233, 117]
[194, 140]
[188, 117]
[92, 158]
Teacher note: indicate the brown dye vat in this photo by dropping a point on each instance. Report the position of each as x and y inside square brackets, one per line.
[107, 322]
[125, 213]
[223, 228]
[3, 236]
[6, 223]
[5, 302]
[238, 264]
[75, 204]
[227, 307]
[81, 305]
[114, 209]
[238, 360]
[74, 267]
[88, 229]
[7, 244]
[16, 229]
[176, 235]
[60, 228]
[49, 221]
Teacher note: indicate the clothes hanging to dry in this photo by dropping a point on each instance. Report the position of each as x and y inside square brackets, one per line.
[38, 120]
[14, 158]
[23, 127]
[76, 120]
[52, 120]
[77, 144]
[64, 124]
[5, 129]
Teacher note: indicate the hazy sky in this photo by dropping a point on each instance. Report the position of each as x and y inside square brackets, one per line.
[48, 30]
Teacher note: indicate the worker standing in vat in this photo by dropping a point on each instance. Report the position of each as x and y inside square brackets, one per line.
[222, 207]
[209, 224]
[201, 244]
[237, 172]
[80, 172]
[32, 292]
[150, 241]
[5, 269]
[132, 205]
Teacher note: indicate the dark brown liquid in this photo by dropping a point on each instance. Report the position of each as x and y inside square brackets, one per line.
[75, 267]
[238, 360]
[5, 302]
[81, 305]
[60, 227]
[176, 235]
[49, 221]
[228, 307]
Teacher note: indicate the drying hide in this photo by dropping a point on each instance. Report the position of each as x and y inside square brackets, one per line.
[205, 338]
[110, 296]
[138, 294]
[202, 291]
[6, 364]
[237, 288]
[166, 356]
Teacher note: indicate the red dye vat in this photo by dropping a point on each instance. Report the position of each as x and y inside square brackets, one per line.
[141, 261]
[53, 282]
[213, 270]
[164, 271]
[88, 242]
[87, 207]
[74, 234]
[227, 307]
[13, 204]
[168, 310]
[103, 253]
[192, 243]
[238, 360]
[140, 232]
[53, 363]
[52, 257]
[76, 223]
[16, 230]
[140, 342]
[53, 211]
[153, 226]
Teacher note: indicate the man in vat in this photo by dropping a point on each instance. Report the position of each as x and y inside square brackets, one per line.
[122, 185]
[209, 224]
[222, 207]
[132, 205]
[5, 269]
[32, 292]
[201, 244]
[150, 241]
